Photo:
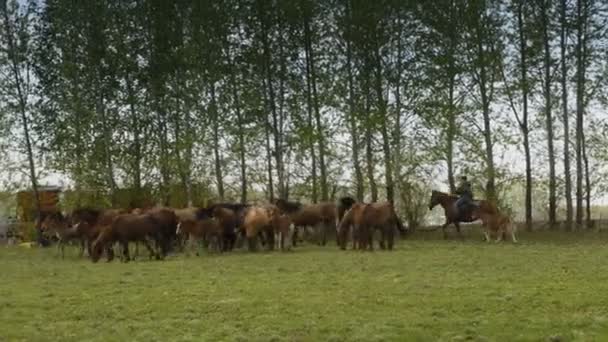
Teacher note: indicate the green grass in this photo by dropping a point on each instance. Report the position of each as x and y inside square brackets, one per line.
[549, 286]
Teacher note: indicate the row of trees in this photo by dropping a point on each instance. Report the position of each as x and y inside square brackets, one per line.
[309, 98]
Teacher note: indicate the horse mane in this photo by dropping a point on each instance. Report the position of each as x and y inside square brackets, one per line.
[346, 202]
[288, 206]
[207, 212]
[86, 213]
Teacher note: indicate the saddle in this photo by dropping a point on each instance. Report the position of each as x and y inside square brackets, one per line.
[464, 208]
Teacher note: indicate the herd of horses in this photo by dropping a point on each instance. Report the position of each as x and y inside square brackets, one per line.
[220, 226]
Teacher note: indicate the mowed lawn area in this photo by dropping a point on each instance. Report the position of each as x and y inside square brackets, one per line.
[550, 286]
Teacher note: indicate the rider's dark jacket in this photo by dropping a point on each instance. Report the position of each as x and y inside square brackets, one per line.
[464, 190]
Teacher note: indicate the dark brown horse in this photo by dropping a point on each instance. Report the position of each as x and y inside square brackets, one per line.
[89, 222]
[452, 214]
[130, 228]
[230, 217]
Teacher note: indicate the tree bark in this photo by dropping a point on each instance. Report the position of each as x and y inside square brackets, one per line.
[565, 115]
[219, 178]
[523, 123]
[318, 122]
[22, 101]
[352, 117]
[309, 105]
[485, 101]
[369, 142]
[580, 107]
[548, 111]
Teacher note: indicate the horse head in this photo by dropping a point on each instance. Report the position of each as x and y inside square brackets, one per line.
[434, 199]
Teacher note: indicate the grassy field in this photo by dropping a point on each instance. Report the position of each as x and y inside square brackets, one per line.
[551, 286]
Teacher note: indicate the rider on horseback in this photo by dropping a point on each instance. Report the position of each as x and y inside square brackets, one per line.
[465, 203]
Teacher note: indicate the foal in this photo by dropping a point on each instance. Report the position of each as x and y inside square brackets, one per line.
[55, 223]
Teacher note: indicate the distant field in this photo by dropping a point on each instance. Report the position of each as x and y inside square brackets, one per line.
[550, 286]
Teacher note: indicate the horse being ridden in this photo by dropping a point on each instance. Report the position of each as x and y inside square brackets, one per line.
[453, 216]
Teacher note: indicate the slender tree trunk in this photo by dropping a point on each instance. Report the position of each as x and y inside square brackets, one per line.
[580, 108]
[22, 99]
[487, 129]
[309, 106]
[386, 144]
[269, 160]
[107, 136]
[352, 117]
[587, 185]
[397, 130]
[451, 133]
[523, 123]
[565, 114]
[137, 146]
[241, 133]
[315, 99]
[181, 143]
[369, 142]
[219, 178]
[548, 111]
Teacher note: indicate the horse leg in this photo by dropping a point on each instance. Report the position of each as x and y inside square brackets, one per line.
[81, 253]
[110, 253]
[486, 234]
[390, 234]
[125, 251]
[443, 228]
[383, 238]
[457, 224]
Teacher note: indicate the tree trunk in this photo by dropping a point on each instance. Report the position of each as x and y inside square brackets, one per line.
[369, 143]
[386, 144]
[548, 112]
[564, 86]
[487, 129]
[216, 143]
[107, 136]
[22, 100]
[319, 125]
[240, 133]
[397, 130]
[580, 108]
[352, 117]
[523, 123]
[137, 149]
[309, 106]
[587, 185]
[451, 133]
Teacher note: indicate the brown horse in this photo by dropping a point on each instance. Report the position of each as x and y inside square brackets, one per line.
[283, 232]
[452, 215]
[325, 215]
[230, 216]
[261, 220]
[351, 221]
[90, 222]
[198, 230]
[365, 219]
[167, 220]
[130, 228]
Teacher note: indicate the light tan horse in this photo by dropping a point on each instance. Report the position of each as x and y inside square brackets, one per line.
[497, 223]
